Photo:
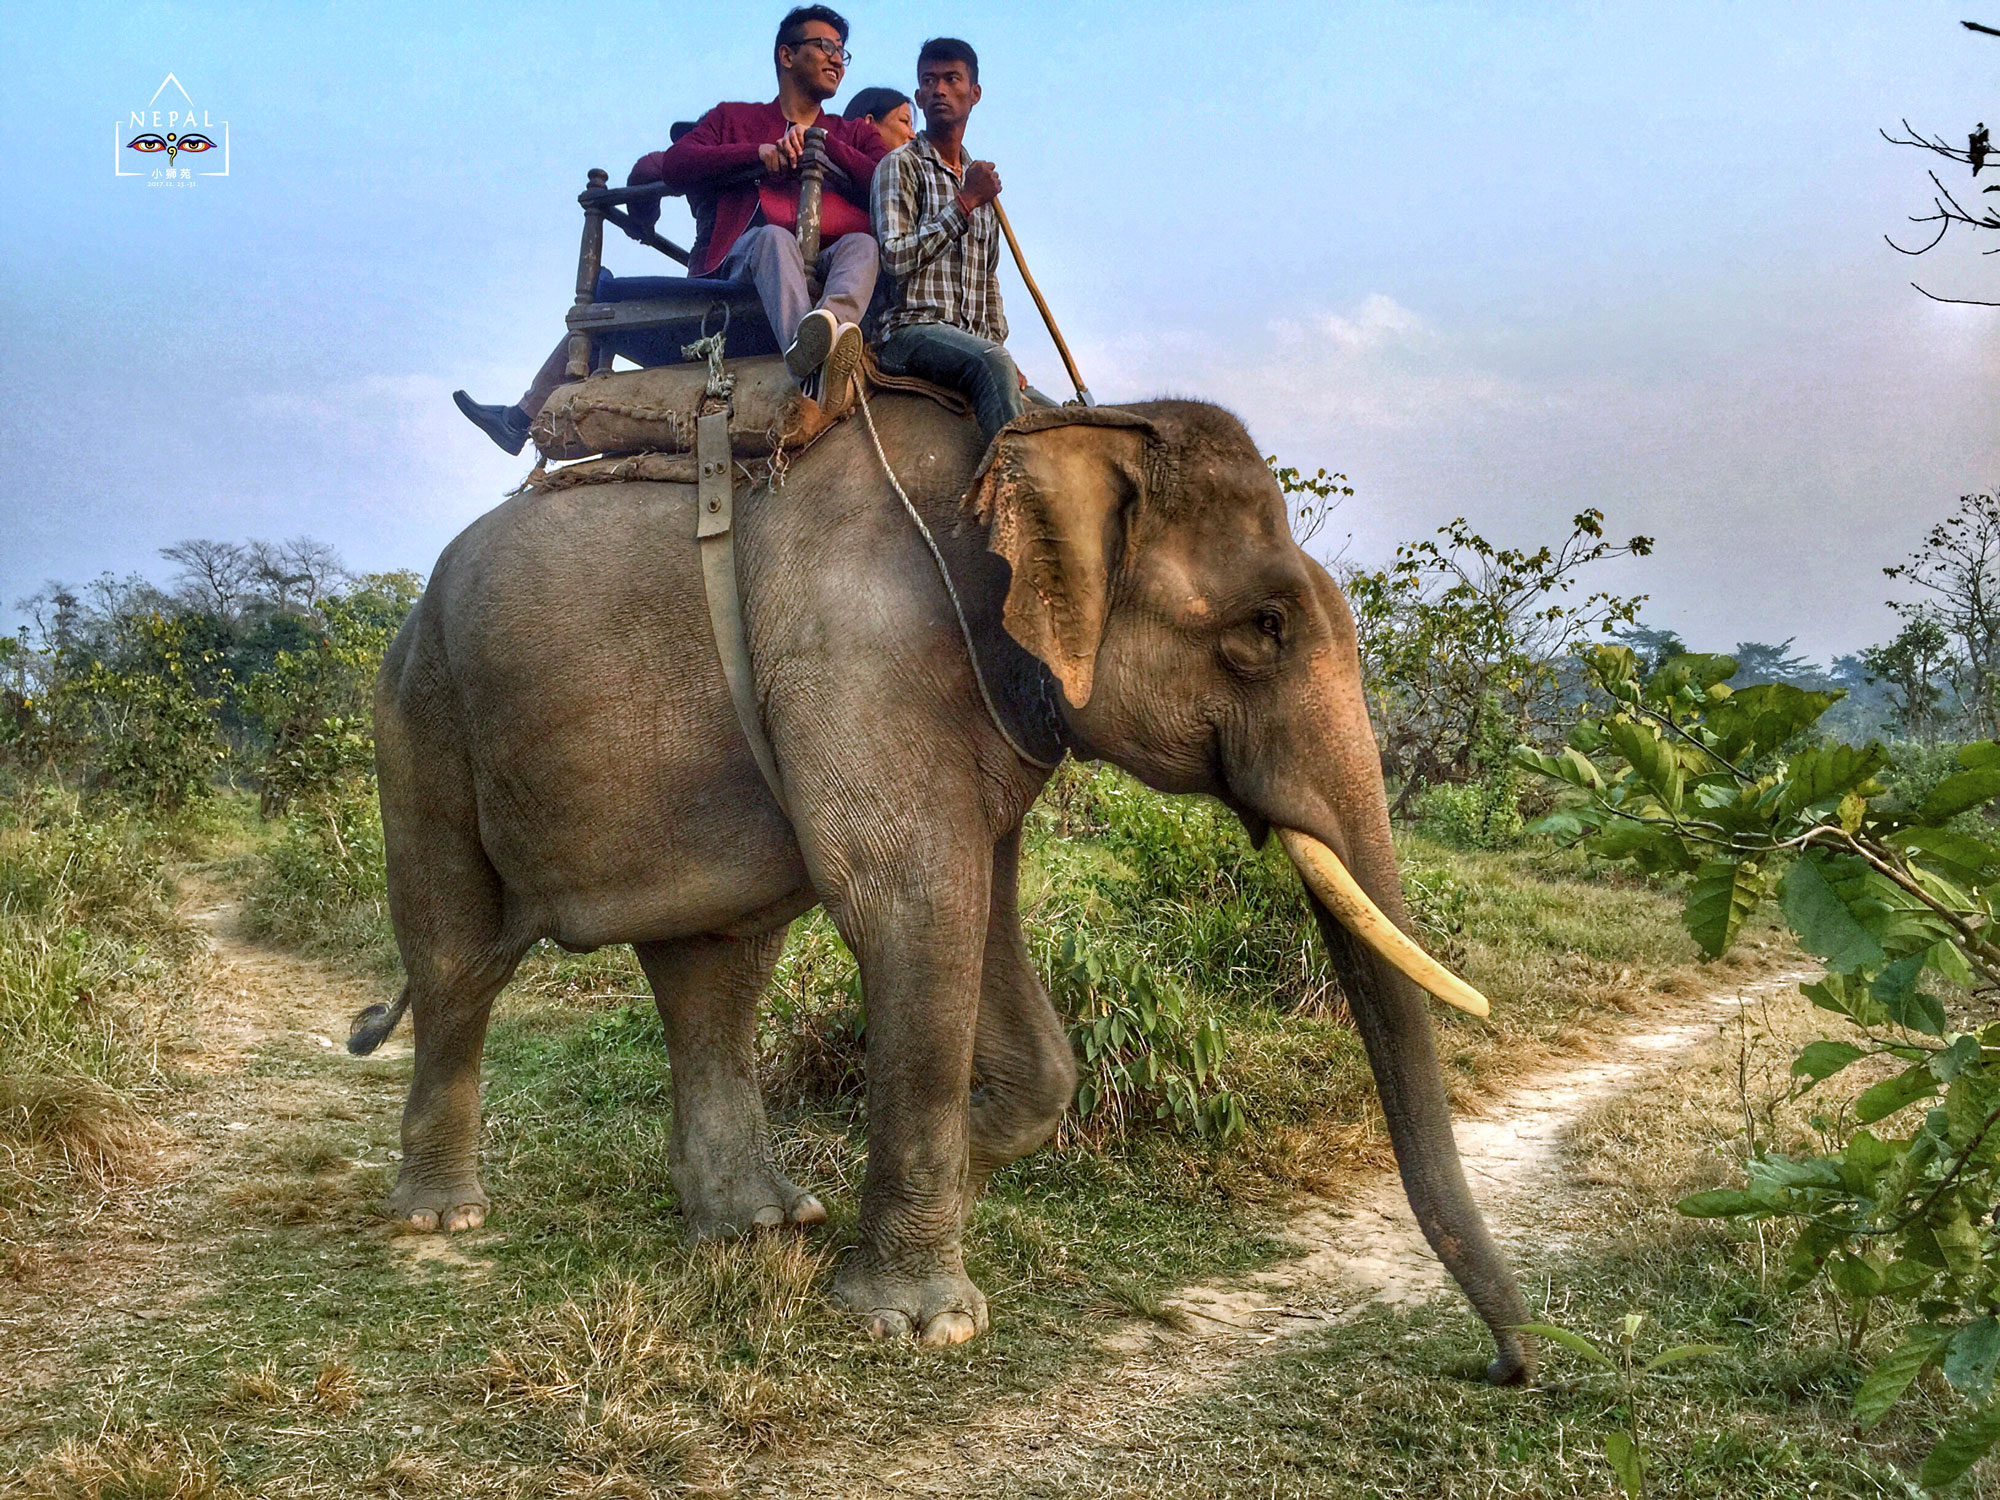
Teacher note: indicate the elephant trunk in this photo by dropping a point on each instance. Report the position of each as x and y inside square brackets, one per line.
[1396, 1031]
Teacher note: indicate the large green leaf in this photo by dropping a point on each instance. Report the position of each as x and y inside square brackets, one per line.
[1723, 1203]
[1960, 854]
[1823, 1059]
[1827, 772]
[1892, 1094]
[1973, 1356]
[1962, 1446]
[1720, 898]
[1895, 990]
[1822, 920]
[1893, 1373]
[1961, 793]
[1756, 719]
[1627, 1462]
[1650, 756]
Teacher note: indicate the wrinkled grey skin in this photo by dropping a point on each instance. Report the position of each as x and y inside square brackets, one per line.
[559, 759]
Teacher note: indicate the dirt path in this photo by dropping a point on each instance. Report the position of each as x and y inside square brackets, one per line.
[144, 1252]
[1360, 1253]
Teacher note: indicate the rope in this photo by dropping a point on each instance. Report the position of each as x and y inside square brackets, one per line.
[965, 629]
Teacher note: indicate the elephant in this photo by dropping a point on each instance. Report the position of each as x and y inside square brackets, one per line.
[559, 758]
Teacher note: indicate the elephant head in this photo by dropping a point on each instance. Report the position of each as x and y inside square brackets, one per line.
[1153, 571]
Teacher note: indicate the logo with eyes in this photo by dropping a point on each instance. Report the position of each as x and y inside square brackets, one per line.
[170, 126]
[170, 143]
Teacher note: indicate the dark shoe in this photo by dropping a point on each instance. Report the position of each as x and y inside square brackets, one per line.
[506, 425]
[842, 369]
[810, 345]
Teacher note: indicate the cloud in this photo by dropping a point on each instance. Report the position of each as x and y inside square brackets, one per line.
[1378, 365]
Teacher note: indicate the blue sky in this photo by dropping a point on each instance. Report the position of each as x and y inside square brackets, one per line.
[1499, 261]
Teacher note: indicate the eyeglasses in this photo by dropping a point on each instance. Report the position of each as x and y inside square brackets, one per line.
[827, 45]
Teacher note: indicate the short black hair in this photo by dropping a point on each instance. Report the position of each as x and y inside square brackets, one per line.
[874, 103]
[948, 49]
[792, 30]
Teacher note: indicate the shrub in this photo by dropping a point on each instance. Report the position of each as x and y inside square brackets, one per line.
[1145, 1055]
[1483, 814]
[1900, 904]
[154, 726]
[322, 884]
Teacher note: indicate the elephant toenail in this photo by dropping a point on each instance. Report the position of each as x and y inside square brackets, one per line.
[887, 1323]
[424, 1219]
[466, 1216]
[808, 1210]
[769, 1217]
[949, 1328]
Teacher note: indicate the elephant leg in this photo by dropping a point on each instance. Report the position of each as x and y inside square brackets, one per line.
[707, 989]
[1024, 1070]
[446, 902]
[916, 922]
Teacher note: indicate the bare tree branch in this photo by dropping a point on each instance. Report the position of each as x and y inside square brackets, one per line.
[1943, 229]
[1961, 301]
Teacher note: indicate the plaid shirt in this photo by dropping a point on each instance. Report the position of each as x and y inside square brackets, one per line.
[944, 263]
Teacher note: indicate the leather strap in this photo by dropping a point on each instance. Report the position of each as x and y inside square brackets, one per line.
[715, 499]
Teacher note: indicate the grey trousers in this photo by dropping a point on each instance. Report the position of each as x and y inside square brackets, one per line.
[769, 257]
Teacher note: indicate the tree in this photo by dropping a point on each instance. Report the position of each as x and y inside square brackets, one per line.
[1957, 569]
[1466, 645]
[1910, 667]
[214, 576]
[1760, 661]
[1310, 499]
[296, 575]
[1946, 209]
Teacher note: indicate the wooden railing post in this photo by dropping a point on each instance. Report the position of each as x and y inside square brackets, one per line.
[588, 262]
[812, 178]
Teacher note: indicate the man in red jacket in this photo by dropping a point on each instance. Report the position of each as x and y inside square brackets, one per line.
[748, 222]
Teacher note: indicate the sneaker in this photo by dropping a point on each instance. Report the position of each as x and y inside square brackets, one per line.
[506, 425]
[810, 346]
[842, 369]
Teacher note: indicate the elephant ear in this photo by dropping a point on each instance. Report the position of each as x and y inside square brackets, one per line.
[1053, 492]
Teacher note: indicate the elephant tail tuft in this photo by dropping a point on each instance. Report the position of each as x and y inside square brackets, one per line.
[372, 1027]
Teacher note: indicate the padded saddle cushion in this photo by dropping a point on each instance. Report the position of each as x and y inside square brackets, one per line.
[654, 411]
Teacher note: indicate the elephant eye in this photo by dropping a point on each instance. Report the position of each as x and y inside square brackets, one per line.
[1271, 621]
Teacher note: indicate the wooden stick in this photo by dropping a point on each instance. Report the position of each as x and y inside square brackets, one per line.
[1048, 317]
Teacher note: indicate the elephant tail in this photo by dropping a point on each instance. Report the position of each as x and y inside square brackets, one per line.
[372, 1027]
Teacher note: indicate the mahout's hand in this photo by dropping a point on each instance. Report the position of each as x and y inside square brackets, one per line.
[982, 185]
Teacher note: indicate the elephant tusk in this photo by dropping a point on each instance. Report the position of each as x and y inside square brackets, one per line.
[1342, 895]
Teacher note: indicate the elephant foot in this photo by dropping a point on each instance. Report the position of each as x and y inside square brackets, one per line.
[450, 1207]
[746, 1204]
[1513, 1365]
[936, 1307]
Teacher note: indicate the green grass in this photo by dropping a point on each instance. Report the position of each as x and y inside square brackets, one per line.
[580, 1345]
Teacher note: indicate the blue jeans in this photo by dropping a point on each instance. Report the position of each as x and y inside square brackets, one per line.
[983, 372]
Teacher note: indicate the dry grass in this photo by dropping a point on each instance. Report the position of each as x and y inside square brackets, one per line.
[643, 1369]
[113, 1466]
[73, 1126]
